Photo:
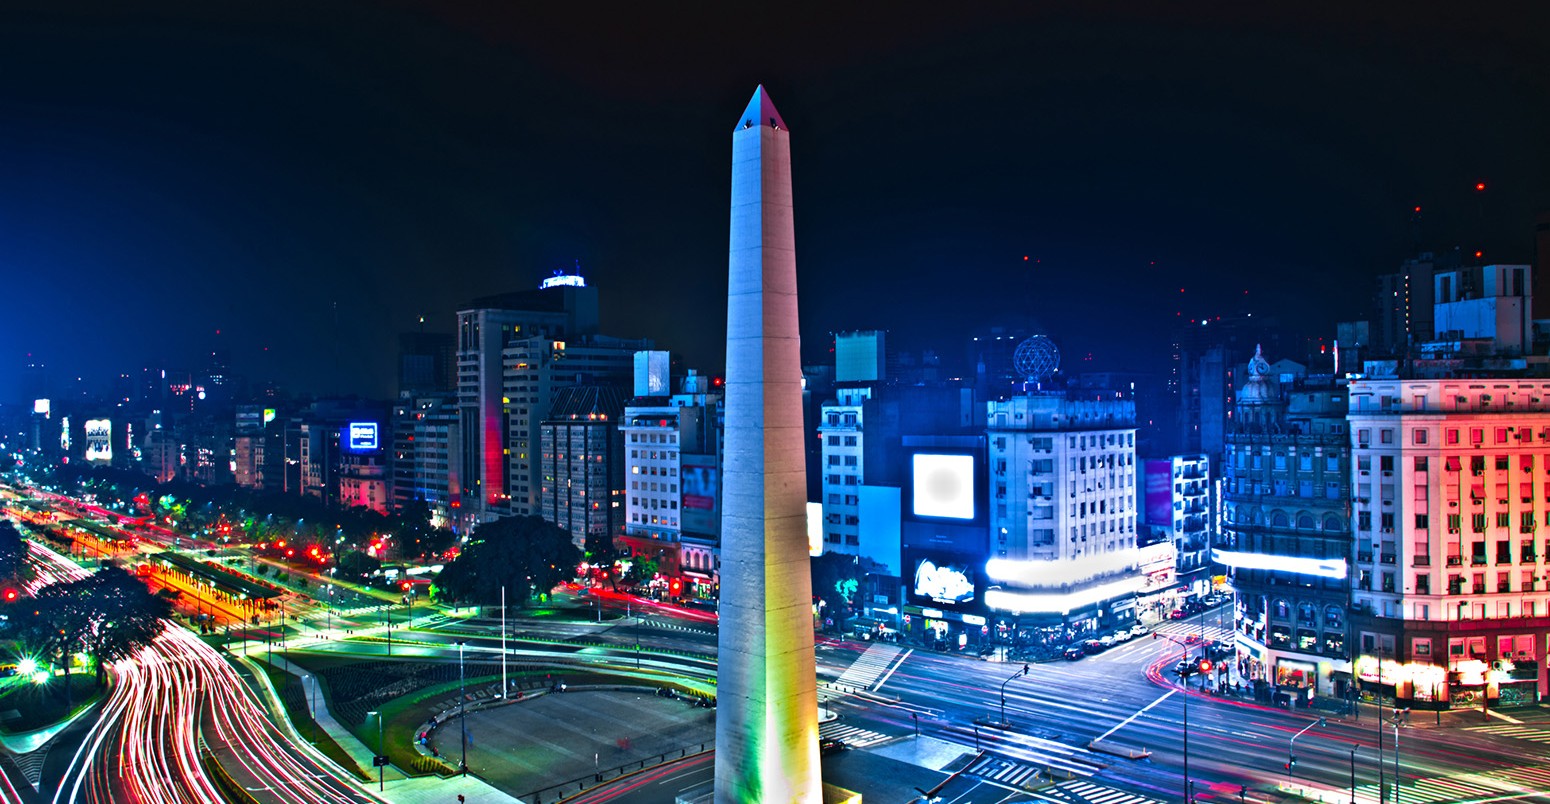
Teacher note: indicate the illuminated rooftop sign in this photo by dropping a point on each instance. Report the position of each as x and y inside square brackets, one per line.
[363, 436]
[563, 281]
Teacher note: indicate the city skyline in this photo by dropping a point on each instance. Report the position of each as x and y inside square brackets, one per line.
[310, 197]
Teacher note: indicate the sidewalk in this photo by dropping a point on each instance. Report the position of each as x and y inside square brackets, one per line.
[397, 788]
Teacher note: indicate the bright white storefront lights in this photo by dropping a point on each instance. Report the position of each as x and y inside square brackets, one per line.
[1059, 602]
[1319, 567]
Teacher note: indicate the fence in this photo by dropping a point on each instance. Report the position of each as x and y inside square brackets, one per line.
[575, 787]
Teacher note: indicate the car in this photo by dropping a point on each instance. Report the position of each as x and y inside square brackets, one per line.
[1073, 652]
[1139, 629]
[1122, 635]
[828, 746]
[1092, 646]
[1187, 667]
[1177, 614]
[1107, 640]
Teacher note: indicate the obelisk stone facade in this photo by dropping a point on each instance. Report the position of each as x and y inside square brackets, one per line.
[767, 699]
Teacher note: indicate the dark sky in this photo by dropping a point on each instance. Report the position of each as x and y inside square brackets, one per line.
[309, 178]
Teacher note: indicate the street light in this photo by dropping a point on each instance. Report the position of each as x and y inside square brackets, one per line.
[1184, 681]
[462, 707]
[1291, 757]
[1400, 716]
[1023, 672]
[381, 751]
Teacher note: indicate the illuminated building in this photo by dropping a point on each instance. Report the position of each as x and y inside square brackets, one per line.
[673, 477]
[1451, 494]
[767, 714]
[582, 463]
[1484, 303]
[861, 356]
[337, 451]
[485, 327]
[1405, 302]
[426, 457]
[1286, 531]
[1062, 517]
[1176, 498]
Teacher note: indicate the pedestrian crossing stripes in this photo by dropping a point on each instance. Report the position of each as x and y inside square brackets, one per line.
[1183, 628]
[1062, 760]
[1083, 792]
[873, 663]
[1538, 735]
[1510, 785]
[1007, 772]
[853, 736]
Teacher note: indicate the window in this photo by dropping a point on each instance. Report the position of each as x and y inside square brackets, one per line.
[1453, 436]
[1420, 461]
[1386, 436]
[1423, 584]
[1418, 436]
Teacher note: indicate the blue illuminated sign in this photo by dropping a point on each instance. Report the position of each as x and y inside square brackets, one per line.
[363, 436]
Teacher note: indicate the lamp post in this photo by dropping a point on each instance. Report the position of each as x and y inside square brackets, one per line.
[462, 707]
[1023, 672]
[1184, 681]
[1354, 746]
[381, 751]
[1291, 758]
[1400, 716]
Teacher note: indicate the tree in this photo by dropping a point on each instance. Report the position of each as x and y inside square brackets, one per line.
[354, 564]
[13, 551]
[109, 615]
[836, 577]
[527, 555]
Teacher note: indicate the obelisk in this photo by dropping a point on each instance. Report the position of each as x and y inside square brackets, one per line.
[767, 697]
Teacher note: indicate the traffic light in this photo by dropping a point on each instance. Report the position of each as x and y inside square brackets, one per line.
[11, 595]
[1291, 762]
[1205, 665]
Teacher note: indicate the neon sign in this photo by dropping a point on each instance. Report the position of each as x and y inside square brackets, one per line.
[563, 281]
[363, 436]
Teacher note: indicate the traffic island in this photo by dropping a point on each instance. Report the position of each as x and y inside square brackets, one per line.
[1118, 749]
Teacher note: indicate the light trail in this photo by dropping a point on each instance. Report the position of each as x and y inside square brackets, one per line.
[174, 701]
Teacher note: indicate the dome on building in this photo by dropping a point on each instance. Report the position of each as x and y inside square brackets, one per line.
[1260, 388]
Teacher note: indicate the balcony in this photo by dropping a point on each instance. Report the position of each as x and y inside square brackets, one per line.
[1364, 558]
[1386, 558]
[1421, 561]
[1455, 561]
[1504, 587]
[1479, 588]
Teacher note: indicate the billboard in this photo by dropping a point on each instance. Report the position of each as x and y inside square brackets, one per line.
[1159, 492]
[41, 406]
[362, 436]
[942, 485]
[940, 579]
[700, 482]
[99, 440]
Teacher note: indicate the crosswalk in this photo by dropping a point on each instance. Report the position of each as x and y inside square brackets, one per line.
[1084, 792]
[863, 674]
[1062, 760]
[1538, 735]
[1006, 771]
[1184, 628]
[1525, 784]
[853, 736]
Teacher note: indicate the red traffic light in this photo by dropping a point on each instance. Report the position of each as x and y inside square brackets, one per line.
[11, 595]
[405, 585]
[1205, 665]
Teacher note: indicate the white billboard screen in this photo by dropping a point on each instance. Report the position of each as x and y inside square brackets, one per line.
[943, 486]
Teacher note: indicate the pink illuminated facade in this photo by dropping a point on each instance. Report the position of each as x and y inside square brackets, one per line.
[1451, 492]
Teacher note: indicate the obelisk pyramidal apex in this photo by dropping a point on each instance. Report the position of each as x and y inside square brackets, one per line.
[767, 698]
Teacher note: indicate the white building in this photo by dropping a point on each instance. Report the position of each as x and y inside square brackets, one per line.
[1063, 513]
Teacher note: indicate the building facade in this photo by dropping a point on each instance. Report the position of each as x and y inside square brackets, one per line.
[1286, 533]
[582, 465]
[1451, 492]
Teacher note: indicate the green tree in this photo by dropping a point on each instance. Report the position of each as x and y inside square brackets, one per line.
[527, 555]
[354, 565]
[126, 616]
[13, 552]
[836, 577]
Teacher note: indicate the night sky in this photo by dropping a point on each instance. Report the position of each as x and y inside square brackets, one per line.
[308, 179]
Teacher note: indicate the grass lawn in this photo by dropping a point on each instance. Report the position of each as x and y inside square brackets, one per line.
[294, 699]
[43, 705]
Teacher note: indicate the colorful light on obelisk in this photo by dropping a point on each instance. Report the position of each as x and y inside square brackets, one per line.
[767, 699]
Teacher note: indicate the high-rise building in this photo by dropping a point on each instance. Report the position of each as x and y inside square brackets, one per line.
[1404, 302]
[1063, 511]
[673, 495]
[427, 362]
[1175, 495]
[557, 311]
[1485, 303]
[1451, 494]
[425, 459]
[861, 357]
[581, 466]
[1286, 532]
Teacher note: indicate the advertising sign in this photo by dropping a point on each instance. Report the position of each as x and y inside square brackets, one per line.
[1159, 492]
[939, 579]
[700, 482]
[943, 486]
[40, 407]
[99, 440]
[362, 436]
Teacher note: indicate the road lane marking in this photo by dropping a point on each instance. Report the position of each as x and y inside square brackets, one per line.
[1139, 713]
[892, 670]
